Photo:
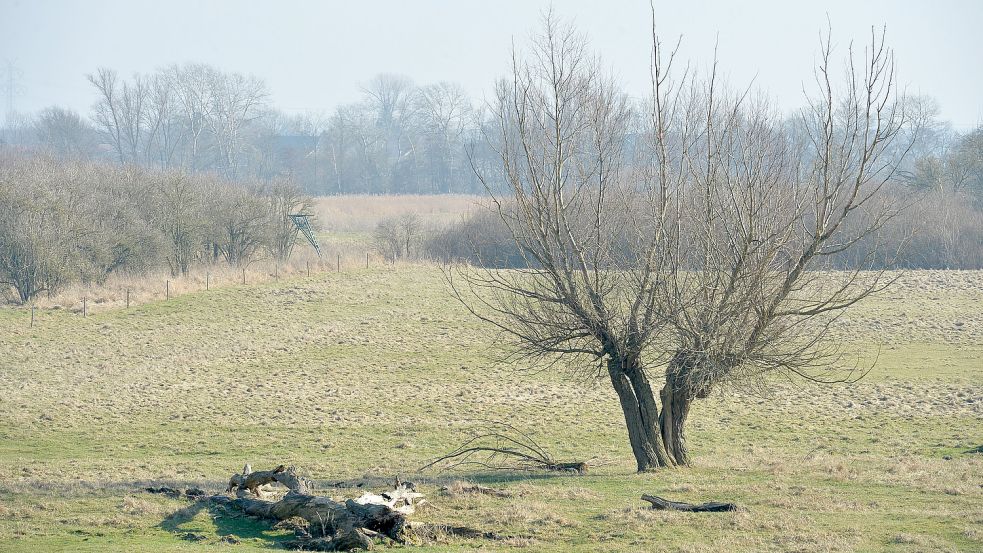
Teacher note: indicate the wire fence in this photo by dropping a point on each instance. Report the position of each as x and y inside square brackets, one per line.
[134, 291]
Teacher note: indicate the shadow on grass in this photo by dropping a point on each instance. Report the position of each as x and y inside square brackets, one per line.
[508, 477]
[977, 449]
[183, 523]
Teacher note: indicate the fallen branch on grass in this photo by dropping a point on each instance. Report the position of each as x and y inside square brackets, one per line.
[501, 446]
[324, 524]
[661, 504]
[331, 525]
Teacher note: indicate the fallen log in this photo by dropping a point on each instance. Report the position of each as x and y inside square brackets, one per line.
[251, 481]
[331, 525]
[661, 504]
[324, 524]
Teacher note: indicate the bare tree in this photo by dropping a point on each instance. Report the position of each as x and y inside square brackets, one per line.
[237, 100]
[703, 261]
[64, 132]
[756, 219]
[398, 237]
[311, 126]
[121, 113]
[389, 97]
[181, 216]
[446, 112]
[108, 112]
[39, 229]
[192, 88]
[240, 216]
[165, 133]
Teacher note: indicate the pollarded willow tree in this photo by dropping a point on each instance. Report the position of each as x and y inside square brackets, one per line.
[694, 252]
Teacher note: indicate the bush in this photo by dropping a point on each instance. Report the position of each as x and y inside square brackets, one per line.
[65, 221]
[398, 237]
[480, 238]
[934, 230]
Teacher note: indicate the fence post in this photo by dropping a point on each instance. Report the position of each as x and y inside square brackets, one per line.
[338, 261]
[206, 281]
[127, 298]
[167, 289]
[308, 268]
[85, 307]
[366, 260]
[243, 275]
[32, 314]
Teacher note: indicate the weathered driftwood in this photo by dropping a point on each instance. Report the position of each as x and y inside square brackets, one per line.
[251, 481]
[332, 525]
[661, 504]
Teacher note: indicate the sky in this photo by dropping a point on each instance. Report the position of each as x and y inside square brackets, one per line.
[316, 55]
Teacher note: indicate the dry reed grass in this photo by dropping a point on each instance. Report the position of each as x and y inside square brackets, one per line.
[161, 285]
[361, 213]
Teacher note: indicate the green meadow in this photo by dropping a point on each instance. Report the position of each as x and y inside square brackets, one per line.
[363, 375]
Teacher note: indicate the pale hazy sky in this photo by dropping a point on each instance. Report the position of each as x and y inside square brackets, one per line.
[315, 55]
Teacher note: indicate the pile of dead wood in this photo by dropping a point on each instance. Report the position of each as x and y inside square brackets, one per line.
[329, 524]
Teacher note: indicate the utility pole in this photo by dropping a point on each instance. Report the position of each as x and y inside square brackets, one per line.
[11, 74]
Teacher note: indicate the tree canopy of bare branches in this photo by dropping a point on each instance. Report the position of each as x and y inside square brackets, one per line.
[696, 252]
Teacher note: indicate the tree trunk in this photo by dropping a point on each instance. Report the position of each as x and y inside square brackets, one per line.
[641, 414]
[676, 401]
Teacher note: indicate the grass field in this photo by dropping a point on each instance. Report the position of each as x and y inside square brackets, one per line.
[365, 374]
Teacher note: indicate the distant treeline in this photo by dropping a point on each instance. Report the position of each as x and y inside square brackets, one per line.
[77, 221]
[192, 163]
[400, 138]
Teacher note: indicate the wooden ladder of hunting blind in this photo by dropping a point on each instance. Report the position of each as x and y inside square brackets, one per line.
[303, 223]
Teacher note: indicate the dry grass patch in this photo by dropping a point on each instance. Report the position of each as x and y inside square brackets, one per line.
[361, 213]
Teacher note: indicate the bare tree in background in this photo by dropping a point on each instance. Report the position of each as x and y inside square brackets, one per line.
[237, 100]
[36, 238]
[390, 100]
[164, 128]
[108, 114]
[445, 112]
[192, 85]
[700, 264]
[64, 132]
